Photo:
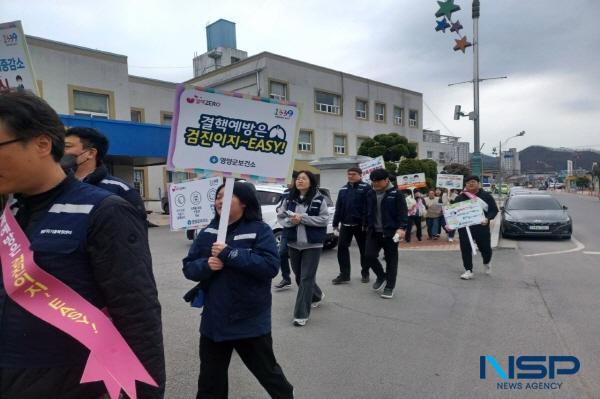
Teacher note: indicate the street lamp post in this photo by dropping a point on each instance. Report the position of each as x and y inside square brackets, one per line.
[476, 167]
[521, 133]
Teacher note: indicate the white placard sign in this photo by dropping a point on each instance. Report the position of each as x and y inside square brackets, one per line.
[233, 134]
[451, 182]
[463, 214]
[191, 203]
[369, 166]
[16, 71]
[412, 181]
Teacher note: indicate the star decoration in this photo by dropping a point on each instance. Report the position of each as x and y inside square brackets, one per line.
[462, 44]
[446, 9]
[456, 27]
[442, 25]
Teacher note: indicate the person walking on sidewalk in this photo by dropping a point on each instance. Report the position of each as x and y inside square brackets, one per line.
[305, 216]
[416, 210]
[235, 281]
[350, 220]
[434, 211]
[480, 233]
[286, 281]
[387, 220]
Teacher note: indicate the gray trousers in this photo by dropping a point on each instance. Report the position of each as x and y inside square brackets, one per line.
[304, 264]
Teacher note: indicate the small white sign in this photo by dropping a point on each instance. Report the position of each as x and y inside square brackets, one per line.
[463, 214]
[412, 181]
[369, 166]
[451, 182]
[191, 203]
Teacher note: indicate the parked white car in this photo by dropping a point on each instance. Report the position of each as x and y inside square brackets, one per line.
[269, 197]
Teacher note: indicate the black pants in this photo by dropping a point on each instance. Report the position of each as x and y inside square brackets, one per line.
[47, 383]
[257, 355]
[482, 237]
[343, 254]
[375, 242]
[416, 220]
[285, 258]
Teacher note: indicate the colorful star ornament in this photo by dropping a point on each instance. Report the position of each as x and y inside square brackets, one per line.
[456, 27]
[462, 44]
[446, 9]
[442, 25]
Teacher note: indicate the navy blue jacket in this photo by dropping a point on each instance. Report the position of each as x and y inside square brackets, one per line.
[120, 187]
[351, 204]
[92, 241]
[393, 209]
[237, 298]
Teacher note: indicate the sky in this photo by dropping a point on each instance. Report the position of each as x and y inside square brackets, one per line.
[549, 50]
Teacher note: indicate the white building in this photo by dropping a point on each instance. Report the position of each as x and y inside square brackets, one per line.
[443, 149]
[511, 164]
[339, 110]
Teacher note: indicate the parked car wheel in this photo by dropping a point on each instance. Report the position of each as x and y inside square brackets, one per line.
[190, 234]
[277, 234]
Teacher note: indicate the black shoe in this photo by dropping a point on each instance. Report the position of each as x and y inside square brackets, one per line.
[388, 293]
[364, 279]
[283, 284]
[379, 284]
[340, 280]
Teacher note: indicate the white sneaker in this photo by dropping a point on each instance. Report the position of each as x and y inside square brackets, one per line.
[467, 275]
[317, 304]
[300, 322]
[450, 239]
[487, 268]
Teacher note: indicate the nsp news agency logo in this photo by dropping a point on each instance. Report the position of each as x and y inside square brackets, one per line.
[530, 369]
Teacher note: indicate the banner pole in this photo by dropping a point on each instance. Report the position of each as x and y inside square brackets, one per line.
[473, 247]
[224, 217]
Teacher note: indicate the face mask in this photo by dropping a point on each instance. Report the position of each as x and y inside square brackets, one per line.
[69, 163]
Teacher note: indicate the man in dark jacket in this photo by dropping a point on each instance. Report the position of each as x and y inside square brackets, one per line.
[387, 220]
[480, 233]
[350, 219]
[92, 241]
[85, 149]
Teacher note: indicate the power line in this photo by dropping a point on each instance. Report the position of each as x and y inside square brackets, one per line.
[439, 120]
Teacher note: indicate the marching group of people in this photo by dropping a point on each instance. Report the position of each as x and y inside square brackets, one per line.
[88, 229]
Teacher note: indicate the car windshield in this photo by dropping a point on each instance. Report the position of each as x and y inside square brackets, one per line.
[538, 203]
[268, 197]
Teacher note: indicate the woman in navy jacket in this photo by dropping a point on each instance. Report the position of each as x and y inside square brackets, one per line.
[235, 280]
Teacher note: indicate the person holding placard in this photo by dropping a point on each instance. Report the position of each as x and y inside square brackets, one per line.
[416, 210]
[480, 233]
[387, 219]
[350, 220]
[305, 216]
[432, 217]
[235, 282]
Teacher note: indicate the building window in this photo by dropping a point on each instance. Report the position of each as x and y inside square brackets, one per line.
[339, 144]
[429, 154]
[327, 102]
[138, 181]
[379, 112]
[412, 118]
[137, 115]
[166, 118]
[442, 158]
[362, 109]
[93, 105]
[398, 116]
[305, 141]
[278, 90]
[234, 60]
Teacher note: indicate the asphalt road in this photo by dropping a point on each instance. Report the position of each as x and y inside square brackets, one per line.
[427, 341]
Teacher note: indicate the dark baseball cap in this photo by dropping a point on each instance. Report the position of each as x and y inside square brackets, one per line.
[472, 177]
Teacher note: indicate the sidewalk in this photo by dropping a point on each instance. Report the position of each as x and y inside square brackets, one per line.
[442, 244]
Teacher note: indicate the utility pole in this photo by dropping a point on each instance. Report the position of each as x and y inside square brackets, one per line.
[476, 163]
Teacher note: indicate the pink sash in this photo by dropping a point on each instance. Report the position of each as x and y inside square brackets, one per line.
[43, 295]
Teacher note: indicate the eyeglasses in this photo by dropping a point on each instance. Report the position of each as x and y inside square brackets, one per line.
[10, 141]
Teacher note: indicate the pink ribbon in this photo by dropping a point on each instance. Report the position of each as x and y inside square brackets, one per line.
[111, 359]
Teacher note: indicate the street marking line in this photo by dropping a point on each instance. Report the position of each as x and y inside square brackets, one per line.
[579, 247]
[591, 253]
